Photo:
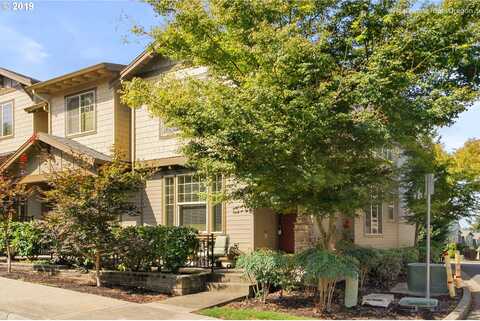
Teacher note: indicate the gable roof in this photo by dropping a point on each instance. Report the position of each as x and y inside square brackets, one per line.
[78, 77]
[66, 145]
[139, 61]
[24, 80]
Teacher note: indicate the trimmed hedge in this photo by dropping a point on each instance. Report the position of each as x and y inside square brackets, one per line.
[135, 248]
[139, 248]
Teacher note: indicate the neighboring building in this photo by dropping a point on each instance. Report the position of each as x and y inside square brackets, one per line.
[78, 117]
[455, 233]
[468, 238]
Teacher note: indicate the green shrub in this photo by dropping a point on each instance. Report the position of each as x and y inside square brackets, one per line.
[451, 248]
[134, 248]
[324, 269]
[366, 257]
[27, 239]
[387, 269]
[179, 244]
[139, 248]
[408, 255]
[436, 252]
[290, 274]
[264, 268]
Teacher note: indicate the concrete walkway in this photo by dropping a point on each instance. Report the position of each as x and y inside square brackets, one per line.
[23, 300]
[198, 301]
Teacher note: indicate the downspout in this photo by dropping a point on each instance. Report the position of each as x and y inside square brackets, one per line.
[133, 139]
[133, 144]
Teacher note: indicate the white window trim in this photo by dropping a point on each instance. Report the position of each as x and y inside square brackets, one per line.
[205, 202]
[177, 204]
[391, 205]
[67, 133]
[379, 217]
[2, 106]
[165, 131]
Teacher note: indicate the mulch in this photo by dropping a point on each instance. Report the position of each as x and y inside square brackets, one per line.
[85, 285]
[303, 304]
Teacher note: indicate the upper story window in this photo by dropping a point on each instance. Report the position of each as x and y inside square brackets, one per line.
[374, 219]
[80, 113]
[7, 82]
[6, 119]
[165, 130]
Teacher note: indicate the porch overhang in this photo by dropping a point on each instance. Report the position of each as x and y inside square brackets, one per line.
[164, 162]
[77, 78]
[65, 145]
[42, 106]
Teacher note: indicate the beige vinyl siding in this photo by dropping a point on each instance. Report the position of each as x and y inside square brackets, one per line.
[102, 139]
[34, 206]
[395, 233]
[122, 128]
[266, 229]
[150, 201]
[239, 225]
[22, 121]
[149, 145]
[38, 164]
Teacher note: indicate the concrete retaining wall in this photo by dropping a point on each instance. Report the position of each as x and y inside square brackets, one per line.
[162, 282]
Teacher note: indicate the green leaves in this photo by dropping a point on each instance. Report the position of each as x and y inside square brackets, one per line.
[300, 93]
[321, 264]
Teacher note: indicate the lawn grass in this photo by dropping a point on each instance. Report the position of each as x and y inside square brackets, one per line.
[227, 313]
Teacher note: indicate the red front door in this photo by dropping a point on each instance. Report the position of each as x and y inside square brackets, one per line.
[287, 236]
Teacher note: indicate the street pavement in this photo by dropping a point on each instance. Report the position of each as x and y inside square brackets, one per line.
[23, 300]
[471, 275]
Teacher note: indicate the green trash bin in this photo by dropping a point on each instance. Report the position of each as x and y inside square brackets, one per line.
[417, 278]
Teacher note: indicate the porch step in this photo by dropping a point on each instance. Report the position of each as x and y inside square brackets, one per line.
[242, 289]
[228, 277]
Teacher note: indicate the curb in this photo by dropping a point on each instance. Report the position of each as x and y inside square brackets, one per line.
[461, 310]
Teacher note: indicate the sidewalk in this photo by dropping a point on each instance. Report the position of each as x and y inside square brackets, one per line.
[23, 300]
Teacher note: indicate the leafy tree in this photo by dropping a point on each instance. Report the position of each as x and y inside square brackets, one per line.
[467, 159]
[455, 196]
[11, 194]
[300, 94]
[90, 205]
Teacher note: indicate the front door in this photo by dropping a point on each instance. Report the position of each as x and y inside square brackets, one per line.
[287, 235]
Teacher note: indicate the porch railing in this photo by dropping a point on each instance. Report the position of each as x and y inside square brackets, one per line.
[203, 257]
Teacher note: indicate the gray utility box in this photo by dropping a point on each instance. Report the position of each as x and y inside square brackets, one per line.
[417, 278]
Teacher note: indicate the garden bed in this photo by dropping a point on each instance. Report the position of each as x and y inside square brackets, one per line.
[300, 304]
[84, 284]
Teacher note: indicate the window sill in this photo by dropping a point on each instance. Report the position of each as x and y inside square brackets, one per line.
[91, 132]
[7, 137]
[168, 136]
[373, 235]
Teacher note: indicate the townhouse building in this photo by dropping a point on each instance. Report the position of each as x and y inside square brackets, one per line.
[79, 119]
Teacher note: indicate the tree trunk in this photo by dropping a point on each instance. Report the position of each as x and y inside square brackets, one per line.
[415, 241]
[327, 236]
[98, 260]
[9, 258]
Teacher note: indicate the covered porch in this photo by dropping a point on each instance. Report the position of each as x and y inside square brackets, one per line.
[40, 157]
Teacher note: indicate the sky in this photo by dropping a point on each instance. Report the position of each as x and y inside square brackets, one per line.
[58, 37]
